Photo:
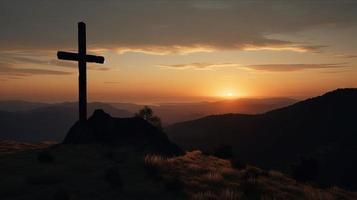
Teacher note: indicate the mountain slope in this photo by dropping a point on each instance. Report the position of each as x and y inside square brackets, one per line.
[115, 172]
[47, 123]
[17, 105]
[322, 127]
[176, 112]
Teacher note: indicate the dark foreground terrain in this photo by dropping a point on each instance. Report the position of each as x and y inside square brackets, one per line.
[93, 171]
[321, 130]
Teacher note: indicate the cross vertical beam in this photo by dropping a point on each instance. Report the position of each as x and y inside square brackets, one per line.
[82, 66]
[82, 59]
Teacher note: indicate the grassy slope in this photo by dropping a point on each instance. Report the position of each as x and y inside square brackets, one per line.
[98, 172]
[207, 177]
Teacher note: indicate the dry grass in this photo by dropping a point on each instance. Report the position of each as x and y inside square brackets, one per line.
[207, 178]
[8, 146]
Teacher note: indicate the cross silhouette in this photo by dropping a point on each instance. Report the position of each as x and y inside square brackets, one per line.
[82, 59]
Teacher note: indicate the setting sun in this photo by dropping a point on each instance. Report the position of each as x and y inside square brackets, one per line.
[229, 94]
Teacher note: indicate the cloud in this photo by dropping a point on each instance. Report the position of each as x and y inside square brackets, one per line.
[288, 47]
[346, 56]
[8, 71]
[263, 67]
[170, 26]
[294, 67]
[112, 82]
[26, 58]
[199, 66]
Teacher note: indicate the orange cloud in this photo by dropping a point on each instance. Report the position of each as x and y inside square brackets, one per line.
[165, 50]
[295, 67]
[199, 66]
[284, 47]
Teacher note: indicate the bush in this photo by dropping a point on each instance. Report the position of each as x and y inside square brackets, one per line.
[112, 176]
[45, 157]
[153, 163]
[148, 114]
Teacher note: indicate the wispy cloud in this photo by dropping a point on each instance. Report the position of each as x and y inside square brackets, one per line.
[295, 67]
[261, 67]
[42, 59]
[8, 70]
[112, 82]
[190, 26]
[288, 47]
[199, 66]
[346, 55]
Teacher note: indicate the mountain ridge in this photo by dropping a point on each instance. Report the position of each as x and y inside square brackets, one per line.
[321, 127]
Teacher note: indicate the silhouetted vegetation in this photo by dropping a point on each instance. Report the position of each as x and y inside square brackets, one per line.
[323, 126]
[148, 114]
[152, 165]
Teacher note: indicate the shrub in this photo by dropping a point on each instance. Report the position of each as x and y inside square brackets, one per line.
[153, 163]
[231, 195]
[148, 114]
[112, 176]
[45, 157]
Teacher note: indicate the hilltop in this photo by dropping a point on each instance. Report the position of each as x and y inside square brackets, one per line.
[322, 128]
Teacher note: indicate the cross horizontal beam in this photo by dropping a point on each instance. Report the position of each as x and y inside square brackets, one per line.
[74, 56]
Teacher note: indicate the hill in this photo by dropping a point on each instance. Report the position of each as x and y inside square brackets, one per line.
[101, 128]
[16, 105]
[322, 128]
[176, 112]
[93, 171]
[47, 123]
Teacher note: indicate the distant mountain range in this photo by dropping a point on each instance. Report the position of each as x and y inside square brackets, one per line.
[45, 122]
[32, 121]
[16, 105]
[177, 112]
[323, 128]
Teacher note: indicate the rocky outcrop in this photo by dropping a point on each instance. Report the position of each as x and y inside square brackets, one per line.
[132, 132]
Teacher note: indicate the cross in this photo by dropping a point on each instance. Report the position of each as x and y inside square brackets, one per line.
[82, 59]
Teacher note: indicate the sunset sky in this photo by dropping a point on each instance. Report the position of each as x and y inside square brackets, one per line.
[179, 50]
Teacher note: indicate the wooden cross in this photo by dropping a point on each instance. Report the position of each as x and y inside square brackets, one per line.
[82, 59]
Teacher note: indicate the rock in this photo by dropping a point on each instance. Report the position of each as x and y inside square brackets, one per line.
[132, 132]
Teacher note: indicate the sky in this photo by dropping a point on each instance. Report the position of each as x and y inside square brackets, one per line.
[178, 50]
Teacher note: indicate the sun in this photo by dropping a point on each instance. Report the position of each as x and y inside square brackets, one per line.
[228, 95]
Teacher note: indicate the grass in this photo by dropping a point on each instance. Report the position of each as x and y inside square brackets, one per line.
[99, 172]
[207, 177]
